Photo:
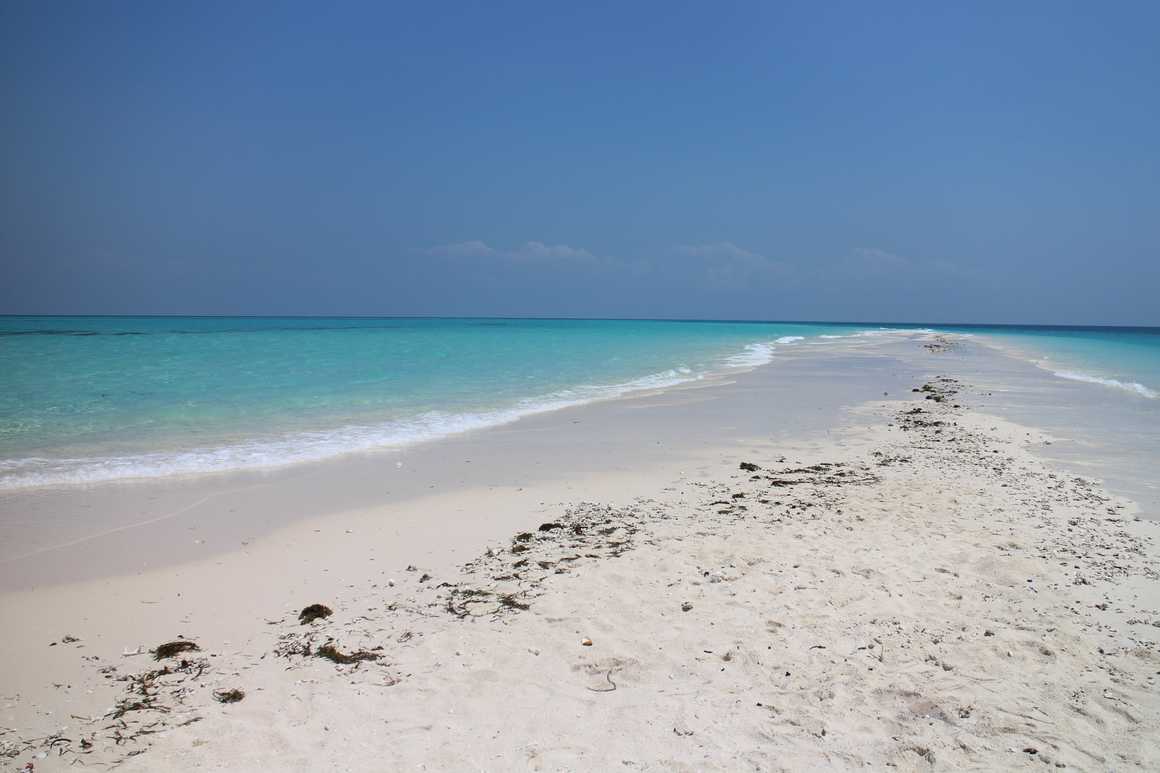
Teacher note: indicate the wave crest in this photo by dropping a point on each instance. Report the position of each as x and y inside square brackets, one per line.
[1127, 386]
[312, 446]
[752, 356]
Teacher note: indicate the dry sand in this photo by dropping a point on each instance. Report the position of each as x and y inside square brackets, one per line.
[914, 588]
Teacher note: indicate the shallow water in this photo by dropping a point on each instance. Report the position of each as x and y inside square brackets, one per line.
[91, 399]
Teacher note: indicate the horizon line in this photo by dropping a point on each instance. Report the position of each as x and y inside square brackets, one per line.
[534, 317]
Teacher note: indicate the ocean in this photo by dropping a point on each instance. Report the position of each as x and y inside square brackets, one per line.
[85, 400]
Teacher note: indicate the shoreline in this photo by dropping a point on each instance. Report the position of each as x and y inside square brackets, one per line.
[311, 443]
[689, 533]
[68, 528]
[77, 533]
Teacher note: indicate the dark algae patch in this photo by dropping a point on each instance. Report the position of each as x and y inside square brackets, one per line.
[173, 649]
[314, 612]
[333, 654]
[228, 696]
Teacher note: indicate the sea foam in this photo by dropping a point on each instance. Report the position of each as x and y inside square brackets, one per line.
[752, 356]
[1127, 386]
[313, 446]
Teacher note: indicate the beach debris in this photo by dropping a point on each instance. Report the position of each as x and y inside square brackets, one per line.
[584, 531]
[461, 602]
[585, 642]
[291, 644]
[749, 467]
[511, 602]
[607, 677]
[333, 654]
[939, 345]
[314, 612]
[174, 648]
[924, 752]
[685, 607]
[232, 695]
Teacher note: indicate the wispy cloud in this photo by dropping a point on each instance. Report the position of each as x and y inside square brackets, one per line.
[727, 263]
[874, 261]
[469, 249]
[877, 259]
[528, 251]
[719, 250]
[539, 250]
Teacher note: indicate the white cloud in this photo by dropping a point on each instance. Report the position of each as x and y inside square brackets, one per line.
[867, 261]
[726, 263]
[539, 250]
[876, 260]
[723, 250]
[528, 251]
[469, 249]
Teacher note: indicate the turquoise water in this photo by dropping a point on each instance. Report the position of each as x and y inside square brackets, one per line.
[93, 399]
[1127, 359]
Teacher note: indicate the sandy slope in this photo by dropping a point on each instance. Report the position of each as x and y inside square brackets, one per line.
[918, 592]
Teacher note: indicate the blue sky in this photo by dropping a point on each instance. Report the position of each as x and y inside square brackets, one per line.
[894, 162]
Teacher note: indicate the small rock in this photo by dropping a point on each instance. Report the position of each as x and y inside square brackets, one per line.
[586, 642]
[686, 607]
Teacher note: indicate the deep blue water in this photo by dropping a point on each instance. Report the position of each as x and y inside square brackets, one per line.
[87, 399]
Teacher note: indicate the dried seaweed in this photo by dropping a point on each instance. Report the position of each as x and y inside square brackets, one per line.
[174, 648]
[314, 612]
[333, 654]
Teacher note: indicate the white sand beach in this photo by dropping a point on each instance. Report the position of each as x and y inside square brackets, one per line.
[861, 556]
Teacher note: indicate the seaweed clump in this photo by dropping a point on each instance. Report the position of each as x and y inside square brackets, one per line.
[232, 695]
[333, 654]
[174, 648]
[314, 612]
